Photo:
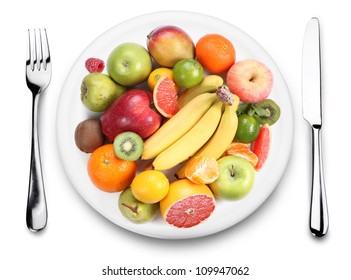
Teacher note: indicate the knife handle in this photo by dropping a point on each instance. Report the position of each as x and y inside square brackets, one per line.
[319, 221]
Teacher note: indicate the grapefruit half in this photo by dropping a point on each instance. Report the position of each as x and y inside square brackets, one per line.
[187, 204]
[165, 97]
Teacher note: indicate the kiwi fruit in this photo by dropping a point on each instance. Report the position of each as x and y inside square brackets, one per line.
[267, 112]
[128, 146]
[88, 135]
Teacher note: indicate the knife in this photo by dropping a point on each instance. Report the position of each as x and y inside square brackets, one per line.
[312, 112]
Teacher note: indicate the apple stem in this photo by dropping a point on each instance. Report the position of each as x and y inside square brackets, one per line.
[225, 95]
[232, 172]
[134, 209]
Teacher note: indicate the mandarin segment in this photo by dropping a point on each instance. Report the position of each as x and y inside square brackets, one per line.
[202, 170]
[242, 150]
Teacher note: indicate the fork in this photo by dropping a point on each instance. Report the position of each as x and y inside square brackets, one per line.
[38, 76]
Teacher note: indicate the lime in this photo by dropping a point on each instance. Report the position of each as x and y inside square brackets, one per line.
[188, 73]
[248, 129]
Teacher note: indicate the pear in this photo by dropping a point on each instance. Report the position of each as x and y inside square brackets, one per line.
[134, 210]
[98, 91]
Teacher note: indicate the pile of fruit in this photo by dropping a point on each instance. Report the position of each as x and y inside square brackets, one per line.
[180, 125]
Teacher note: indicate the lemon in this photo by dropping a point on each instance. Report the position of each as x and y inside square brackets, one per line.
[150, 186]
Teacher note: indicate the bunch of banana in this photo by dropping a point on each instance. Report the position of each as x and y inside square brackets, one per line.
[178, 125]
[209, 83]
[223, 136]
[191, 141]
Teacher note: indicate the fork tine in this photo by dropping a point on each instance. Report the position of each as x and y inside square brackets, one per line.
[40, 52]
[29, 52]
[34, 61]
[46, 51]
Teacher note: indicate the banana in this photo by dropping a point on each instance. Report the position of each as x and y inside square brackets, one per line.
[209, 83]
[178, 125]
[192, 141]
[223, 136]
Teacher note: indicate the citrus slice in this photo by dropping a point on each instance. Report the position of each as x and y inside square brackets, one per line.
[242, 150]
[187, 204]
[165, 97]
[202, 170]
[261, 145]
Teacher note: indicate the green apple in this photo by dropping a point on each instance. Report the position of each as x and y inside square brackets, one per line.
[134, 210]
[236, 178]
[98, 91]
[129, 64]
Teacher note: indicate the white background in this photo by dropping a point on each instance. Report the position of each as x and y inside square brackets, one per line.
[274, 242]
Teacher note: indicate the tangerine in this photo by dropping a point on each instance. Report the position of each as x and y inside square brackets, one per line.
[242, 150]
[187, 204]
[157, 74]
[202, 170]
[108, 172]
[215, 53]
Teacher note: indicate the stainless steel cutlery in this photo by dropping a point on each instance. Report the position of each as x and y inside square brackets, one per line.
[312, 112]
[38, 76]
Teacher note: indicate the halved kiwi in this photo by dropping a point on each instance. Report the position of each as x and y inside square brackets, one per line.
[267, 111]
[128, 146]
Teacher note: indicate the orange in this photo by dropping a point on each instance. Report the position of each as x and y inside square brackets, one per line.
[187, 204]
[156, 74]
[242, 150]
[215, 53]
[150, 186]
[202, 170]
[108, 172]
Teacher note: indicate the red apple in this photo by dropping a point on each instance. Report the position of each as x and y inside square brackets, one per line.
[250, 79]
[131, 112]
[169, 44]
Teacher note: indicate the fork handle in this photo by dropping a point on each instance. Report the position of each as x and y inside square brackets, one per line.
[319, 221]
[36, 216]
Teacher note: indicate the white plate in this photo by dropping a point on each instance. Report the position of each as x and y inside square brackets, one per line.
[71, 112]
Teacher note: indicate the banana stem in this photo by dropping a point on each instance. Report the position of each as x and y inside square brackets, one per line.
[225, 95]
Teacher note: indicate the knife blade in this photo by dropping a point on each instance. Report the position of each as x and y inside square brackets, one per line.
[312, 112]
